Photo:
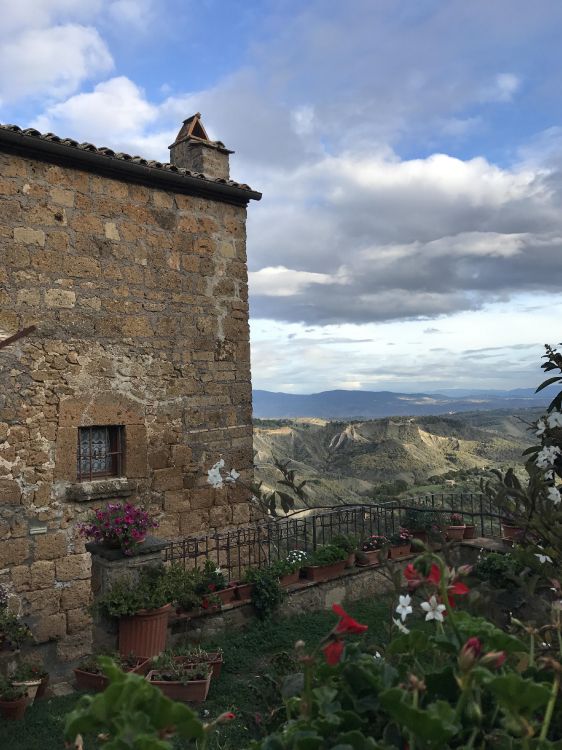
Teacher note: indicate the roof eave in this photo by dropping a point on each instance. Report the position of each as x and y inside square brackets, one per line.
[107, 166]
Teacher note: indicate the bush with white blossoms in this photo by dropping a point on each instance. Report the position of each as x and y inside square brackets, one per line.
[535, 505]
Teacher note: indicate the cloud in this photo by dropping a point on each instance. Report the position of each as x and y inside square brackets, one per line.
[51, 62]
[502, 88]
[115, 112]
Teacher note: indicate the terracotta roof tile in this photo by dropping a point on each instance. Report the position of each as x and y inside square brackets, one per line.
[108, 153]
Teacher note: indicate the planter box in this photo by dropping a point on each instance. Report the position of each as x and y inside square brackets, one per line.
[228, 595]
[324, 572]
[144, 634]
[396, 552]
[455, 533]
[14, 710]
[421, 535]
[195, 691]
[215, 661]
[244, 591]
[470, 531]
[95, 682]
[290, 578]
[369, 559]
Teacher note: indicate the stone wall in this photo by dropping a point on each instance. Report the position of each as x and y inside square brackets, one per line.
[140, 301]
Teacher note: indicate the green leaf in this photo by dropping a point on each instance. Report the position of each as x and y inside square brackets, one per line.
[549, 381]
[518, 694]
[415, 642]
[434, 726]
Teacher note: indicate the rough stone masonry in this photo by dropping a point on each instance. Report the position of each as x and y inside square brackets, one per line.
[134, 274]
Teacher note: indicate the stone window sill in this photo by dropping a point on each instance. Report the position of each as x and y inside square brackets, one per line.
[98, 489]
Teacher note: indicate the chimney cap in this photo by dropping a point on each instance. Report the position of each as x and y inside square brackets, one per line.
[194, 130]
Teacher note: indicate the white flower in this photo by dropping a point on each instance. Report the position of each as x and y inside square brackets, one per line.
[401, 628]
[543, 558]
[377, 655]
[547, 456]
[233, 476]
[541, 427]
[553, 494]
[404, 607]
[554, 419]
[433, 610]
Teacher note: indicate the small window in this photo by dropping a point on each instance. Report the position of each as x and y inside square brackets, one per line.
[100, 452]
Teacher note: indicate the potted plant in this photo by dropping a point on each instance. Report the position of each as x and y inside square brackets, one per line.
[246, 586]
[372, 550]
[288, 569]
[511, 530]
[25, 677]
[190, 655]
[455, 528]
[90, 676]
[180, 682]
[142, 608]
[118, 525]
[326, 562]
[400, 544]
[470, 529]
[13, 700]
[421, 523]
[211, 580]
[347, 542]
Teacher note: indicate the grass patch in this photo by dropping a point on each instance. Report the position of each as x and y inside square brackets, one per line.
[256, 659]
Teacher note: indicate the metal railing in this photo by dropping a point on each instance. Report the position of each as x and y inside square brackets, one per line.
[256, 545]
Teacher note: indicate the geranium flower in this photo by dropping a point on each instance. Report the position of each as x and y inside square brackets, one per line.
[333, 652]
[415, 578]
[458, 588]
[433, 610]
[469, 653]
[228, 716]
[347, 624]
[404, 607]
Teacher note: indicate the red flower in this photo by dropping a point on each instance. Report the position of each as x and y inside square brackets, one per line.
[415, 578]
[212, 587]
[347, 624]
[333, 652]
[205, 604]
[228, 716]
[456, 589]
[434, 574]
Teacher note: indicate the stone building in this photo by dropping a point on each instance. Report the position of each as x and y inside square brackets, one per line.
[136, 378]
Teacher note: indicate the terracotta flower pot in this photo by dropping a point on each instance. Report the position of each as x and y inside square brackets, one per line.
[290, 578]
[42, 689]
[370, 558]
[244, 591]
[228, 595]
[421, 535]
[195, 691]
[513, 533]
[324, 572]
[401, 551]
[470, 531]
[145, 633]
[455, 533]
[14, 710]
[350, 562]
[95, 682]
[90, 681]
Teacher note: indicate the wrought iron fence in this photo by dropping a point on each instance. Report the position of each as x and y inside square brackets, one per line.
[236, 550]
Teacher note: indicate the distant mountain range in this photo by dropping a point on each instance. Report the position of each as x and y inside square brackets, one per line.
[340, 404]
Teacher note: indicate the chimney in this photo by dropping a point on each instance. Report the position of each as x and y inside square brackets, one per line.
[193, 150]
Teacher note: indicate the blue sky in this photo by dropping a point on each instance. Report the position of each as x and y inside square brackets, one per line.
[409, 152]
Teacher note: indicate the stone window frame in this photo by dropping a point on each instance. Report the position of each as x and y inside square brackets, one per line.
[106, 409]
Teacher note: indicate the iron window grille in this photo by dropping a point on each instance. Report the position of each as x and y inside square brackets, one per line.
[100, 452]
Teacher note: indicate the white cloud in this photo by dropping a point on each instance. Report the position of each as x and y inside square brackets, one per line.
[51, 62]
[115, 112]
[279, 281]
[501, 89]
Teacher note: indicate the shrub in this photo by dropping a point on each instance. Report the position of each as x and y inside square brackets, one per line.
[420, 520]
[151, 591]
[399, 539]
[347, 542]
[327, 555]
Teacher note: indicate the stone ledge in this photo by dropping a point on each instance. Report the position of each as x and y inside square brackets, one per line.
[150, 546]
[98, 489]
